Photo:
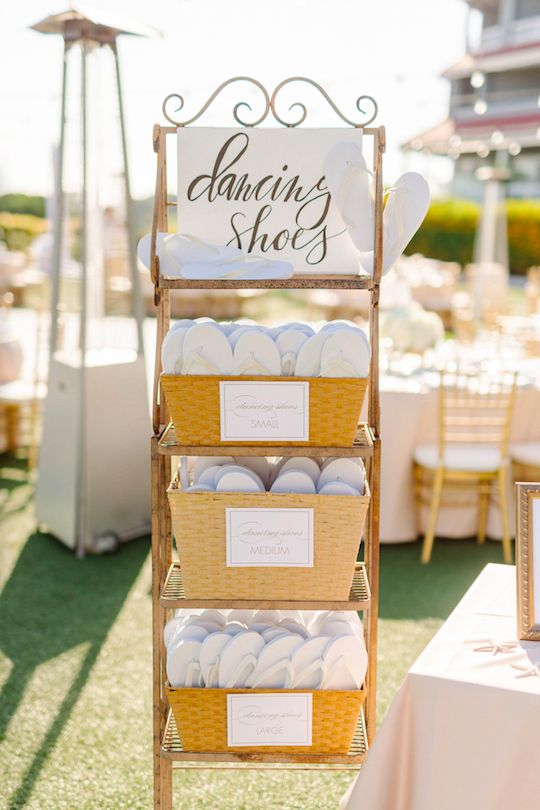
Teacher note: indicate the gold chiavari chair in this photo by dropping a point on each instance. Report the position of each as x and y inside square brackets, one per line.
[471, 456]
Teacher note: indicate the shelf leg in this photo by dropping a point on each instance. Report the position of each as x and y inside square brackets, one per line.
[372, 548]
[160, 558]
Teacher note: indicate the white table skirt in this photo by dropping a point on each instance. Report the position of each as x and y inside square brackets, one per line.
[462, 731]
[409, 418]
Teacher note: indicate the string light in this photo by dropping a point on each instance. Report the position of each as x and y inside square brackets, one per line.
[480, 106]
[514, 149]
[497, 137]
[478, 79]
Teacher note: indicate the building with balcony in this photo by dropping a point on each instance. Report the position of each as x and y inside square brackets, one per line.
[494, 111]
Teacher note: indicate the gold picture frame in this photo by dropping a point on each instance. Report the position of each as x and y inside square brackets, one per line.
[528, 560]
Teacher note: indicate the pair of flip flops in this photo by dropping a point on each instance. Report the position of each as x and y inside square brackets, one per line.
[337, 349]
[351, 188]
[341, 476]
[186, 256]
[271, 652]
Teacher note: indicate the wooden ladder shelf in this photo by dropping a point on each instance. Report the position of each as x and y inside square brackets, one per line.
[167, 587]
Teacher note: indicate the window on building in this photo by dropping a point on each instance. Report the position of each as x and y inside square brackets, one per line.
[491, 14]
[527, 8]
[524, 81]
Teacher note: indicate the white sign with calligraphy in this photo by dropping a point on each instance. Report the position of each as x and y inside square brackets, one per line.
[264, 411]
[264, 191]
[271, 719]
[260, 538]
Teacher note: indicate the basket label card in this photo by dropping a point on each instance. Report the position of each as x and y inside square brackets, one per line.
[269, 719]
[264, 411]
[260, 538]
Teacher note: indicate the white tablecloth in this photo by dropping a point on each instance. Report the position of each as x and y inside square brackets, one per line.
[463, 731]
[409, 418]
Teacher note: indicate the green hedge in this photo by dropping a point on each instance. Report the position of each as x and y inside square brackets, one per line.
[23, 204]
[19, 230]
[448, 231]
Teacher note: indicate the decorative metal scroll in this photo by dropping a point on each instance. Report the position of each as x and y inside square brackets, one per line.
[270, 105]
[303, 109]
[214, 95]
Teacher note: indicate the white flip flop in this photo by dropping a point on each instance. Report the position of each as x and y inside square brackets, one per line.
[337, 627]
[343, 470]
[247, 267]
[261, 627]
[184, 323]
[238, 660]
[275, 632]
[337, 325]
[172, 353]
[256, 353]
[143, 248]
[316, 622]
[183, 632]
[337, 488]
[303, 463]
[346, 346]
[206, 351]
[298, 615]
[351, 189]
[242, 616]
[208, 476]
[203, 462]
[213, 615]
[234, 478]
[308, 361]
[183, 669]
[276, 468]
[289, 342]
[243, 329]
[209, 655]
[346, 663]
[177, 250]
[296, 481]
[269, 616]
[200, 488]
[404, 212]
[273, 669]
[234, 628]
[257, 464]
[309, 668]
[300, 326]
[294, 626]
[227, 327]
[170, 629]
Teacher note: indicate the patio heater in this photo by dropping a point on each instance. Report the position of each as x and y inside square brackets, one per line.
[93, 488]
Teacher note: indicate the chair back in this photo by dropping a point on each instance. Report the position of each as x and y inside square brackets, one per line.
[476, 408]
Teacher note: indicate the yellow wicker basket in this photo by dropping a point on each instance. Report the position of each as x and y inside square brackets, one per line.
[199, 525]
[334, 409]
[201, 718]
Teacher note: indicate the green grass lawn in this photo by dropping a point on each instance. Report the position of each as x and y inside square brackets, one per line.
[75, 669]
